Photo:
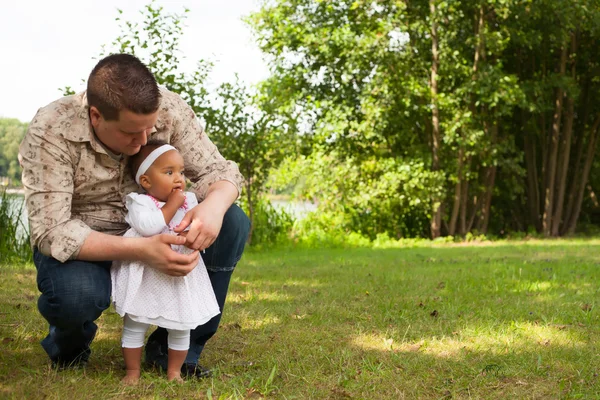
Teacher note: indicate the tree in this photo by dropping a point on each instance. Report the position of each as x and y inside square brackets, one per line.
[554, 58]
[235, 116]
[250, 134]
[394, 81]
[477, 90]
[12, 132]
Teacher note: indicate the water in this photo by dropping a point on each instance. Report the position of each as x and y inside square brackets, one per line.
[16, 204]
[298, 209]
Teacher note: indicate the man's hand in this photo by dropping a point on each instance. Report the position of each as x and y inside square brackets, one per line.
[205, 224]
[154, 251]
[205, 220]
[159, 255]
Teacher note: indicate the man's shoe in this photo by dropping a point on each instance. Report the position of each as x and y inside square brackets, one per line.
[61, 365]
[195, 371]
[156, 355]
[76, 360]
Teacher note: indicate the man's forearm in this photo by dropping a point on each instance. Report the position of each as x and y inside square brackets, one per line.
[221, 196]
[155, 251]
[102, 247]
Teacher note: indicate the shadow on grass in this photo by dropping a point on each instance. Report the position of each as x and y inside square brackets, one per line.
[483, 322]
[520, 320]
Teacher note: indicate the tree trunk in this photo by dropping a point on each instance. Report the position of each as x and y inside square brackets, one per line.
[589, 159]
[457, 192]
[553, 152]
[435, 119]
[487, 201]
[489, 185]
[544, 163]
[464, 198]
[533, 191]
[580, 140]
[565, 152]
[476, 207]
[479, 55]
[250, 210]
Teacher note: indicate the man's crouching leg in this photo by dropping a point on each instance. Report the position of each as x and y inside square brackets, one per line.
[220, 259]
[74, 295]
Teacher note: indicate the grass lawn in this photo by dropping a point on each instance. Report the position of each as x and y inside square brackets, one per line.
[506, 320]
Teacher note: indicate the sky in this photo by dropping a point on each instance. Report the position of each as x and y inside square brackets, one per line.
[49, 44]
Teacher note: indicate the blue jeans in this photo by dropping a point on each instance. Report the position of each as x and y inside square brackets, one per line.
[75, 293]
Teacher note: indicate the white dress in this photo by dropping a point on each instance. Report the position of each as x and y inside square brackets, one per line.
[150, 296]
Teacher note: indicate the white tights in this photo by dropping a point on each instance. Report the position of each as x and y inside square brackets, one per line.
[134, 333]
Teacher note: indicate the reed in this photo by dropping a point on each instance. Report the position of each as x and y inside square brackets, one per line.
[14, 235]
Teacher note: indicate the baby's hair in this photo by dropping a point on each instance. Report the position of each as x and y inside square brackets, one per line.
[137, 159]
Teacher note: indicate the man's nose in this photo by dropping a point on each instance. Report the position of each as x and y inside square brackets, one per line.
[143, 138]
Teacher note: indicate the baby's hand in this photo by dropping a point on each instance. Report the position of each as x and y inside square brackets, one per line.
[176, 197]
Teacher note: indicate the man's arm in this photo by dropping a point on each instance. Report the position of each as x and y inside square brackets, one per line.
[48, 175]
[155, 251]
[221, 196]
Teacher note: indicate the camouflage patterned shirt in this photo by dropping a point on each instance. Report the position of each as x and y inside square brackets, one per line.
[73, 185]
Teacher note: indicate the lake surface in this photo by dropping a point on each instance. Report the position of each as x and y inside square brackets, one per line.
[298, 209]
[17, 207]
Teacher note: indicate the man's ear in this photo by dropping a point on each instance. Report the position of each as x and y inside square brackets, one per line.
[145, 182]
[95, 116]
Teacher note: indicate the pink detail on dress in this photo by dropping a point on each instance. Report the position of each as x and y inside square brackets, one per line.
[184, 206]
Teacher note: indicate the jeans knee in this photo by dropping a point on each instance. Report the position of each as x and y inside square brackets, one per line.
[73, 292]
[74, 308]
[237, 223]
[227, 249]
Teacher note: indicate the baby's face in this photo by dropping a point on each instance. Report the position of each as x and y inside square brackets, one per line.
[166, 175]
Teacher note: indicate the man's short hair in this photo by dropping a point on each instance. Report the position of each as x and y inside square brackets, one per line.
[122, 81]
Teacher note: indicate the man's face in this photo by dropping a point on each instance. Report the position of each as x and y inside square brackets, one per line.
[165, 175]
[127, 134]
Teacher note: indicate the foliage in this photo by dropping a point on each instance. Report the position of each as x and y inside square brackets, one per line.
[271, 226]
[14, 237]
[256, 139]
[393, 115]
[366, 93]
[12, 132]
[235, 115]
[368, 197]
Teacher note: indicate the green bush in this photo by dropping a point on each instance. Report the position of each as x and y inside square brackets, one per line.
[363, 196]
[270, 226]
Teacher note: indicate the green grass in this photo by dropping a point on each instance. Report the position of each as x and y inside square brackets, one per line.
[507, 320]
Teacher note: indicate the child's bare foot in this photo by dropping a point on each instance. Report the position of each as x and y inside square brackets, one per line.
[132, 377]
[176, 359]
[174, 376]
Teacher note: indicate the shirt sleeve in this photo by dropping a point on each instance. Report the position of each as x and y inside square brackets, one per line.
[143, 215]
[48, 174]
[204, 164]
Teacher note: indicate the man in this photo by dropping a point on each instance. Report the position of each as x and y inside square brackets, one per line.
[74, 159]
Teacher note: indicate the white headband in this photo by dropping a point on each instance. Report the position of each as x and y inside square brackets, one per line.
[150, 160]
